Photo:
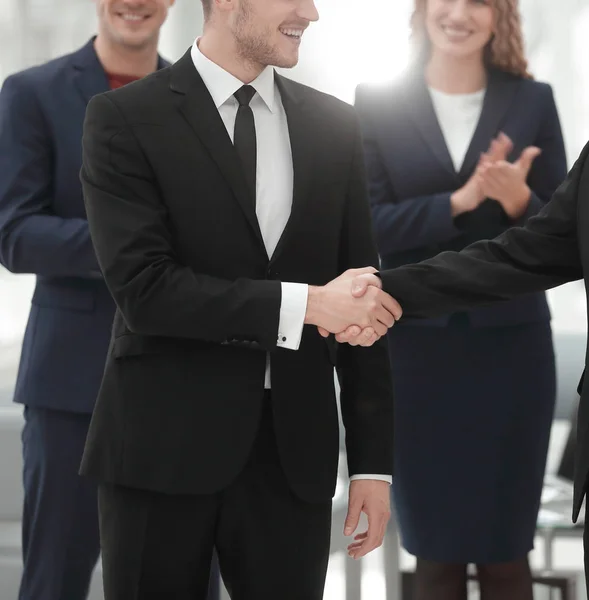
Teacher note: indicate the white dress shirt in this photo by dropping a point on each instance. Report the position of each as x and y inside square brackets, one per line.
[458, 116]
[274, 182]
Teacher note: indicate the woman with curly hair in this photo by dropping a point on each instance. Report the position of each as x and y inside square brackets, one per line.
[462, 148]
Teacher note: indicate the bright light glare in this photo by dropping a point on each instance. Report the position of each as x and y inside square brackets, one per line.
[367, 40]
[355, 41]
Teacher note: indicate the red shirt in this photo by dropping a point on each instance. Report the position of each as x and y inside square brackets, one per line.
[116, 81]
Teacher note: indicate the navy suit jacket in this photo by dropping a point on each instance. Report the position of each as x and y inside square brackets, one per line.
[43, 230]
[412, 177]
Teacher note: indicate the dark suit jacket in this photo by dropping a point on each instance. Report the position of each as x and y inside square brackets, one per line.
[412, 176]
[552, 249]
[43, 230]
[198, 299]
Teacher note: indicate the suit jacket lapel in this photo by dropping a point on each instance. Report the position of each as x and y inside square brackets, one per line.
[199, 110]
[162, 63]
[421, 109]
[501, 90]
[89, 76]
[303, 154]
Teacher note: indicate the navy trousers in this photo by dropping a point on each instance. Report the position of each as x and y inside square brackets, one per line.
[61, 543]
[60, 517]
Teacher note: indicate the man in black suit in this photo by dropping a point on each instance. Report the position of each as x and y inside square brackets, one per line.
[224, 201]
[552, 249]
[43, 231]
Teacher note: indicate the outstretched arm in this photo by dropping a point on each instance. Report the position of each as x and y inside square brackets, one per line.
[542, 255]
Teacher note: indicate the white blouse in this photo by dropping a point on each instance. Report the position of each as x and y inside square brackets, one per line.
[458, 116]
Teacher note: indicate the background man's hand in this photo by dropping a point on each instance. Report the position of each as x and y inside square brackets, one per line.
[333, 308]
[372, 498]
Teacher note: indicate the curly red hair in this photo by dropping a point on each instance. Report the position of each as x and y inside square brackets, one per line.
[505, 51]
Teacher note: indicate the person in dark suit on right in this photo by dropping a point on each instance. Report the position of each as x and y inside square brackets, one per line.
[463, 383]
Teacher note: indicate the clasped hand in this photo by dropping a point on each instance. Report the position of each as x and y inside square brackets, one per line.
[353, 307]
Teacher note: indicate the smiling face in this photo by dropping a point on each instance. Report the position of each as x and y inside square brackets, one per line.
[133, 24]
[459, 28]
[269, 32]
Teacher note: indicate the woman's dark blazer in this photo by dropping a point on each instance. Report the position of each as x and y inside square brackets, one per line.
[411, 175]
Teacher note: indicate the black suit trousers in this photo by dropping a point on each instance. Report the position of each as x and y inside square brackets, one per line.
[270, 544]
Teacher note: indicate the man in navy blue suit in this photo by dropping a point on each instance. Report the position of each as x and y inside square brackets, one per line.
[43, 230]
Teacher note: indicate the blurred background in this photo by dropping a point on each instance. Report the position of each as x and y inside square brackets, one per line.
[353, 42]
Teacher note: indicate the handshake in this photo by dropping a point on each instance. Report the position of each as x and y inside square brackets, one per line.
[353, 307]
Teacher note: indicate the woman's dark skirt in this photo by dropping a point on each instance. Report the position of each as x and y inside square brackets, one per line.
[474, 409]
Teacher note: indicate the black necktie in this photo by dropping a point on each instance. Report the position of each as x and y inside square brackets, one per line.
[244, 137]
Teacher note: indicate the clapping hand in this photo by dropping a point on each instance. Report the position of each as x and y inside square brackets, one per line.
[505, 182]
[471, 195]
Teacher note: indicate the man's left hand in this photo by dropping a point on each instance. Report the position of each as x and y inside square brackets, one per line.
[371, 497]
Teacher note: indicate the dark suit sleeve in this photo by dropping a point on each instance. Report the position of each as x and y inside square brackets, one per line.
[412, 223]
[542, 255]
[549, 169]
[364, 373]
[157, 294]
[33, 239]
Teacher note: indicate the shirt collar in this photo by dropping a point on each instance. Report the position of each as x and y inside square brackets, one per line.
[222, 85]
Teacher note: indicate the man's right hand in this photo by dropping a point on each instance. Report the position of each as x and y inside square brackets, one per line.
[362, 284]
[333, 308]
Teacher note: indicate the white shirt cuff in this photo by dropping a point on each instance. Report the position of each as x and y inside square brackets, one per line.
[386, 478]
[293, 309]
